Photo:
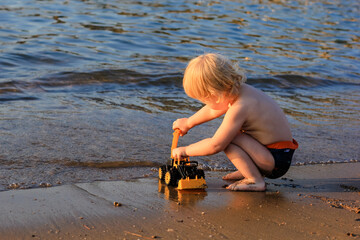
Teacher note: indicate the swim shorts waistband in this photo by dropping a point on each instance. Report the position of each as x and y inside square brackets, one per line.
[284, 144]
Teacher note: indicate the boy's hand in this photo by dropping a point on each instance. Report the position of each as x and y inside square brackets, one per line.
[182, 124]
[178, 153]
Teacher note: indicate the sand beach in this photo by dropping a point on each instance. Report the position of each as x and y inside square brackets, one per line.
[310, 202]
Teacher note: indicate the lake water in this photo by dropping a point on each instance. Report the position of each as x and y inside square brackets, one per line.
[89, 89]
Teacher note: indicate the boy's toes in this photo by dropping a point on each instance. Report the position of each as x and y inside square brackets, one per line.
[233, 176]
[246, 185]
[231, 187]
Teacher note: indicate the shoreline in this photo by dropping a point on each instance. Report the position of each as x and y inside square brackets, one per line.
[309, 202]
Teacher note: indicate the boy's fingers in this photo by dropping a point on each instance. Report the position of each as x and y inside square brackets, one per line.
[182, 133]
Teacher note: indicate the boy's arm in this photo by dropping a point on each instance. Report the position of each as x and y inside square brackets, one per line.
[227, 131]
[205, 114]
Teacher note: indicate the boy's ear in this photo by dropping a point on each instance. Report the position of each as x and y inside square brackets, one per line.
[216, 96]
[218, 99]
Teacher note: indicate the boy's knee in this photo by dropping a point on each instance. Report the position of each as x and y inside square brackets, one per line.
[230, 148]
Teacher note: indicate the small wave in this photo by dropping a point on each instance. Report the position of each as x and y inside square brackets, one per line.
[18, 58]
[9, 87]
[121, 76]
[80, 81]
[133, 79]
[104, 28]
[113, 164]
[294, 82]
[325, 162]
[27, 98]
[208, 167]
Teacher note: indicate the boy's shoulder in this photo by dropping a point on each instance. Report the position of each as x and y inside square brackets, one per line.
[250, 94]
[251, 100]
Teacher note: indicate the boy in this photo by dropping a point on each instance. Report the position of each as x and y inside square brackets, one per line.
[255, 134]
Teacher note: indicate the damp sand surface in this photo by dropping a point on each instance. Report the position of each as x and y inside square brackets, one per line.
[310, 202]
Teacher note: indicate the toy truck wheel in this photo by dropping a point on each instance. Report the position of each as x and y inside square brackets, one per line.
[170, 178]
[162, 171]
[200, 173]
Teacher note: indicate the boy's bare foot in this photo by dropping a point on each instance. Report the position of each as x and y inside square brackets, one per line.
[233, 176]
[247, 185]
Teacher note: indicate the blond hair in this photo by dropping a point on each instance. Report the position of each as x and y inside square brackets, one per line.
[212, 75]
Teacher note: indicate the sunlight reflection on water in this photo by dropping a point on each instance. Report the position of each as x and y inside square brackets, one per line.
[94, 83]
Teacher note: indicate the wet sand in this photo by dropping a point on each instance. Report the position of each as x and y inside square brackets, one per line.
[311, 202]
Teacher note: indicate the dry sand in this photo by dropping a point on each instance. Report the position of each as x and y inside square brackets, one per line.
[312, 202]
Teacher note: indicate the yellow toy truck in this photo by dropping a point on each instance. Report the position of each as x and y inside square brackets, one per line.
[182, 173]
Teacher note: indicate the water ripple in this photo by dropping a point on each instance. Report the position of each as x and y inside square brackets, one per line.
[95, 85]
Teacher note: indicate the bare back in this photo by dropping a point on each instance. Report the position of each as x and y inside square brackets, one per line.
[264, 120]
